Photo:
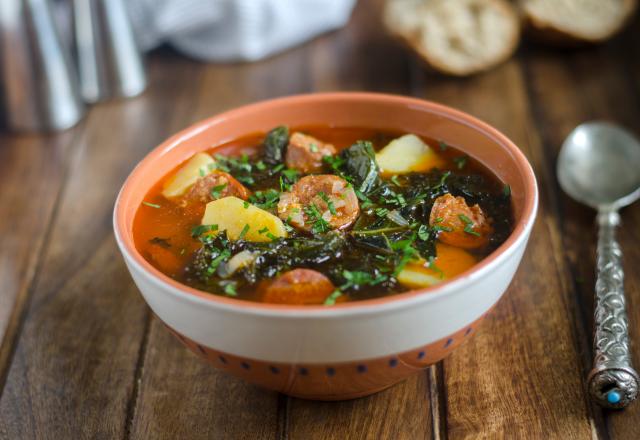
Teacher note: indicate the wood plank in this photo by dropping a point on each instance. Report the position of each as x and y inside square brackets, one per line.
[579, 96]
[180, 396]
[400, 412]
[183, 397]
[74, 366]
[32, 169]
[521, 376]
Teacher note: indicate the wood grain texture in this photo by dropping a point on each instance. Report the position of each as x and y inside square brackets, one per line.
[32, 169]
[401, 412]
[582, 95]
[528, 384]
[73, 370]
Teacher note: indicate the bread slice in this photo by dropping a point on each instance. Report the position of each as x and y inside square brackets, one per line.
[570, 22]
[456, 37]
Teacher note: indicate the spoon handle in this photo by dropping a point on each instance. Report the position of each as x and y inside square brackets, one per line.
[613, 382]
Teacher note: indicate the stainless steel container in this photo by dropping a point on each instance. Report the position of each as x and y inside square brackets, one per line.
[109, 61]
[38, 84]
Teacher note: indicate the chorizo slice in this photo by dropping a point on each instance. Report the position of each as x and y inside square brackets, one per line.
[460, 225]
[305, 153]
[319, 203]
[213, 186]
[298, 286]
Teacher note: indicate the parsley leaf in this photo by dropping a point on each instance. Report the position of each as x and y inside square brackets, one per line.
[461, 161]
[319, 224]
[329, 202]
[216, 191]
[198, 230]
[243, 232]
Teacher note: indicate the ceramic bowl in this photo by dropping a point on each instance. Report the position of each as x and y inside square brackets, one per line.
[352, 349]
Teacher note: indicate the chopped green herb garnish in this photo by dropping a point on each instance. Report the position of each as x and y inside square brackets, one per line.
[331, 299]
[270, 236]
[291, 175]
[243, 232]
[218, 260]
[246, 204]
[261, 166]
[319, 224]
[216, 191]
[432, 265]
[152, 205]
[506, 190]
[267, 199]
[287, 178]
[334, 162]
[461, 161]
[263, 230]
[248, 180]
[313, 148]
[468, 225]
[407, 252]
[442, 145]
[395, 180]
[197, 231]
[443, 179]
[437, 228]
[423, 232]
[357, 278]
[330, 204]
[469, 230]
[230, 289]
[381, 212]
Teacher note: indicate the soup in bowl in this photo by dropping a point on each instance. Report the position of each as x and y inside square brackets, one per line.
[327, 246]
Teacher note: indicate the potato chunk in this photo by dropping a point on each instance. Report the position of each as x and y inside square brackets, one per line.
[199, 165]
[407, 154]
[449, 262]
[234, 215]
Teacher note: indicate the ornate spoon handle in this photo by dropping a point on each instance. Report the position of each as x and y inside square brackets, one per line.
[613, 382]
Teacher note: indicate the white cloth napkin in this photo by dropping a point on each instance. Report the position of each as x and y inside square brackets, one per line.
[234, 30]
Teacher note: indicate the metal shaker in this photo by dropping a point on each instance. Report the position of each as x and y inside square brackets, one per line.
[38, 85]
[109, 62]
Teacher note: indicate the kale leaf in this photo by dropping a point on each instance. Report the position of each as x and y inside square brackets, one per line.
[275, 145]
[359, 167]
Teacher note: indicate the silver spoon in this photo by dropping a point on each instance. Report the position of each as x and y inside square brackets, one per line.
[599, 165]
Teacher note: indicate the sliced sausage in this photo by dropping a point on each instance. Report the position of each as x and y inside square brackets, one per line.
[214, 186]
[460, 225]
[298, 286]
[305, 153]
[318, 203]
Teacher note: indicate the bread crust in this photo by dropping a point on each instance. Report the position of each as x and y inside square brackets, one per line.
[543, 31]
[411, 40]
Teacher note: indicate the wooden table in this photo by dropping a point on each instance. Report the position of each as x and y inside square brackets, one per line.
[83, 357]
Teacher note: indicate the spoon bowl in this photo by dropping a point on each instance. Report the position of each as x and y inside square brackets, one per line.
[599, 165]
